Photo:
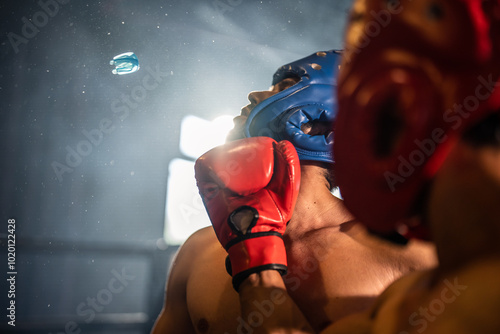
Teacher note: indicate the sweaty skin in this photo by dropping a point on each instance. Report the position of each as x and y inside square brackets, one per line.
[461, 296]
[335, 268]
[460, 203]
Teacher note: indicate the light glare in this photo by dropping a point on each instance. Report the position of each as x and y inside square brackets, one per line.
[199, 135]
[185, 211]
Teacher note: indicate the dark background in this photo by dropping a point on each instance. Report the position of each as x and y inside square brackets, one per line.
[105, 216]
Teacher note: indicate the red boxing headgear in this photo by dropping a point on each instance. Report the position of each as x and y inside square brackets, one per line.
[415, 75]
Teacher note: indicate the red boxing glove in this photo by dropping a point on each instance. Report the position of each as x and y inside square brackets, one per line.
[249, 188]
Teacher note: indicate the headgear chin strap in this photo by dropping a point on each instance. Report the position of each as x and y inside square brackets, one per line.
[311, 99]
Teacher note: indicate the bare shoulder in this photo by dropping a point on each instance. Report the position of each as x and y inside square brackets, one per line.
[175, 316]
[199, 240]
[184, 263]
[382, 317]
[474, 295]
[195, 246]
[210, 299]
[463, 301]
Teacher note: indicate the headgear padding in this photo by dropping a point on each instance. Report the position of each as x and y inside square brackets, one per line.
[312, 98]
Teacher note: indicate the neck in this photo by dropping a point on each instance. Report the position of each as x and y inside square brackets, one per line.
[316, 206]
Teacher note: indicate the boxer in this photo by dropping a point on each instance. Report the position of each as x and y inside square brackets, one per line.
[419, 131]
[332, 267]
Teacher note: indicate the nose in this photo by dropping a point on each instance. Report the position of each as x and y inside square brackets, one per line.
[259, 96]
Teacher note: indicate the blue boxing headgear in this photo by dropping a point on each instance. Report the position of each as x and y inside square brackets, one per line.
[312, 98]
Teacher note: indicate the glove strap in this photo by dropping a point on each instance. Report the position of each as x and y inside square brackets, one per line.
[256, 253]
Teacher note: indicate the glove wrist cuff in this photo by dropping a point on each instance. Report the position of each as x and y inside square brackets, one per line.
[262, 251]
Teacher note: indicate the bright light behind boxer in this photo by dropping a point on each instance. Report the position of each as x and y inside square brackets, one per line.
[414, 76]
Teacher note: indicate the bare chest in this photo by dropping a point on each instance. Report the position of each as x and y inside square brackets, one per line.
[327, 279]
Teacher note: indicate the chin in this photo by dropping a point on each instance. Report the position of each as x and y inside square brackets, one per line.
[235, 134]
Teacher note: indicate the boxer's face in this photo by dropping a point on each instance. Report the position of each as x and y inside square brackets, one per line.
[255, 98]
[406, 63]
[452, 30]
